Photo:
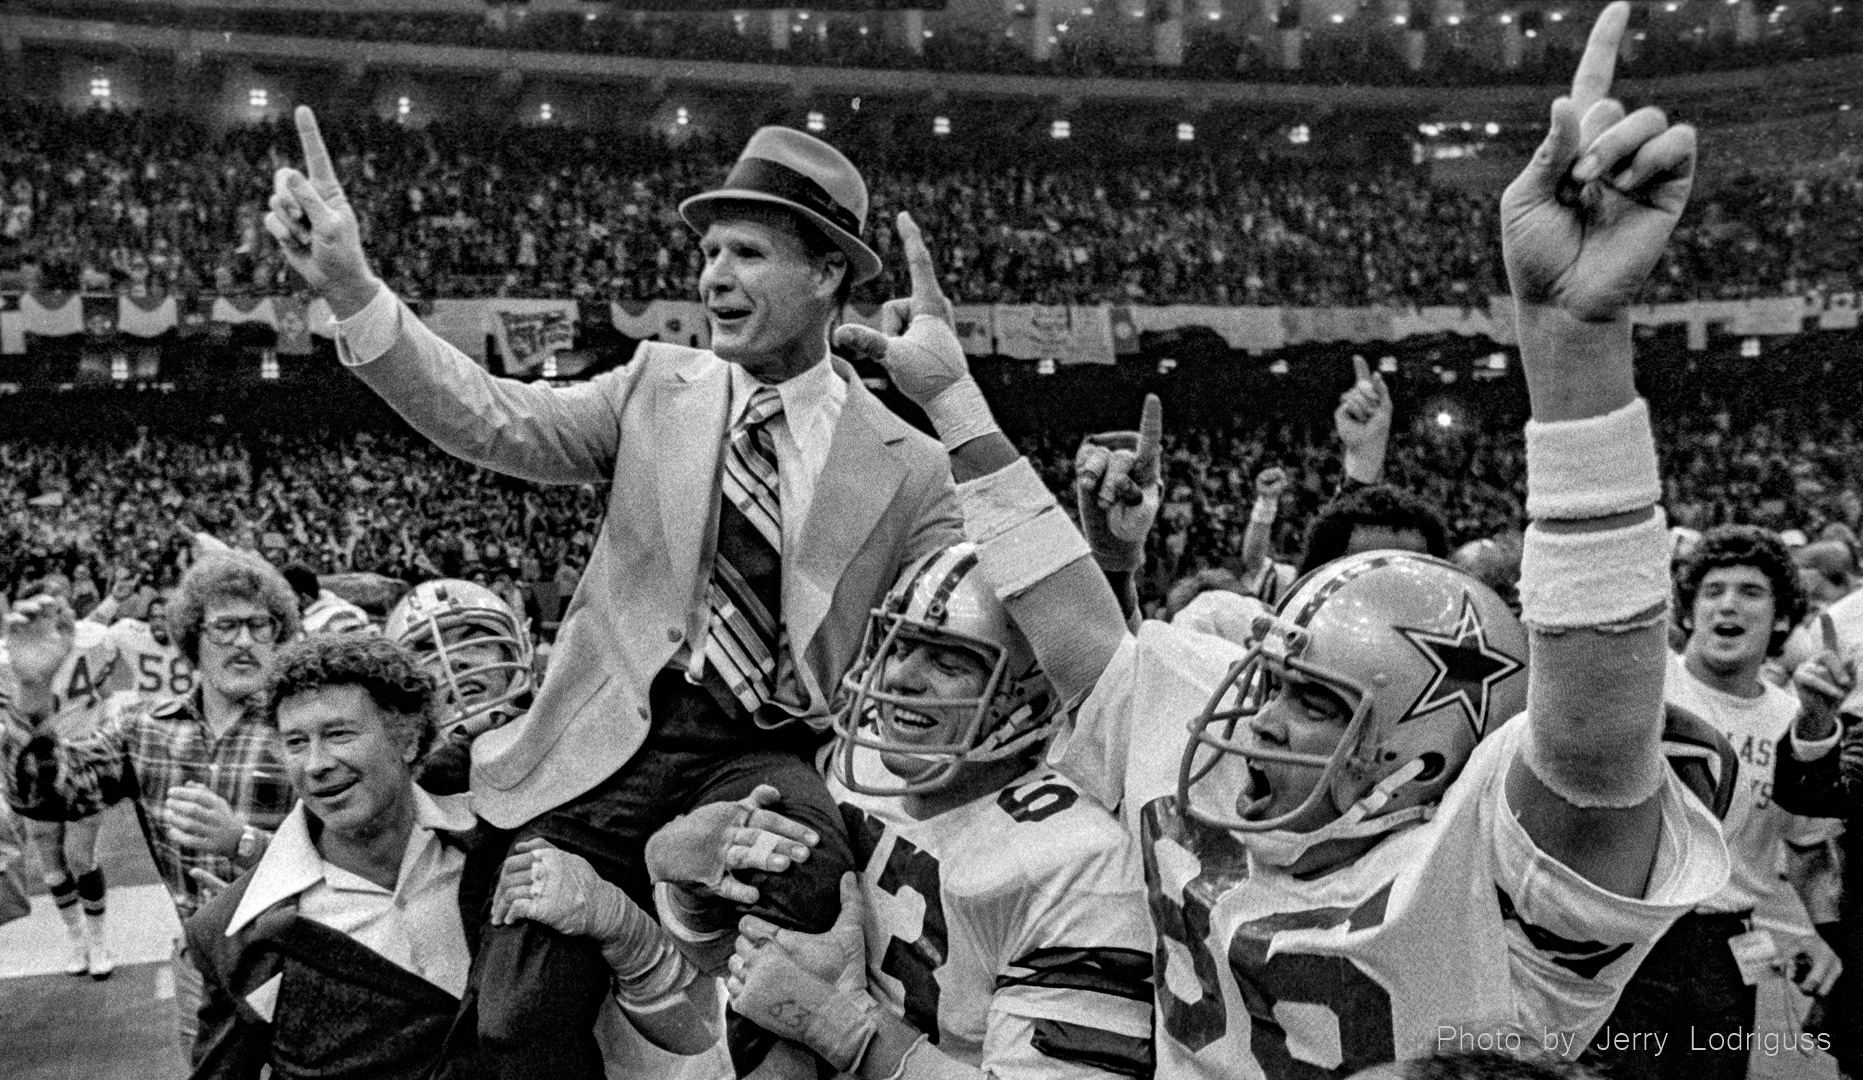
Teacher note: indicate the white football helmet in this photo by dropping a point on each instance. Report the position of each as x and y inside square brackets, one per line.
[941, 600]
[1427, 658]
[480, 694]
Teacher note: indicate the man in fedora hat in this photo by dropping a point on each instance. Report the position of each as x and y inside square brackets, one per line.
[762, 502]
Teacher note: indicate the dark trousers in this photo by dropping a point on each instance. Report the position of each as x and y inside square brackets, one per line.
[1688, 987]
[538, 991]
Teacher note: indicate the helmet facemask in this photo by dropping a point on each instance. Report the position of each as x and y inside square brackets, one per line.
[1348, 799]
[444, 620]
[1011, 712]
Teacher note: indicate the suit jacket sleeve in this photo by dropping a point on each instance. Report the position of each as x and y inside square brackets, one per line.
[938, 524]
[231, 1044]
[535, 432]
[1831, 786]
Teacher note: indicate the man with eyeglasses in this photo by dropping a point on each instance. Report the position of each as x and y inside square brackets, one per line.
[204, 767]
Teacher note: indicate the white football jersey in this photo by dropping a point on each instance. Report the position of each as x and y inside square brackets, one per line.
[1011, 930]
[1457, 925]
[154, 670]
[91, 673]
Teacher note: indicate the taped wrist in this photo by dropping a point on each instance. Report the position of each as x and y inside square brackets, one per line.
[1591, 468]
[647, 965]
[703, 931]
[1022, 534]
[959, 413]
[1264, 511]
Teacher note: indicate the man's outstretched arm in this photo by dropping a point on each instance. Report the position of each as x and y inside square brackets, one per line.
[1582, 226]
[534, 432]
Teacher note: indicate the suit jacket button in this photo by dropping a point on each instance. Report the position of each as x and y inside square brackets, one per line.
[644, 715]
[673, 635]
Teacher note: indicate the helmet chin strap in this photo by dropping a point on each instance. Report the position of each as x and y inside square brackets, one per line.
[1284, 847]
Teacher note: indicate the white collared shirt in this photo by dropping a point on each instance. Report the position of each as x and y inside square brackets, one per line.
[416, 925]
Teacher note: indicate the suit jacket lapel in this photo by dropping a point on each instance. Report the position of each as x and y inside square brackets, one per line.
[855, 488]
[689, 413]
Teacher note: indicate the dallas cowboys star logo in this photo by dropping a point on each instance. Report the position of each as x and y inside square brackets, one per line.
[1467, 668]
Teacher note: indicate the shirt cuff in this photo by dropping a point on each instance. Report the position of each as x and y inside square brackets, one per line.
[1815, 749]
[365, 336]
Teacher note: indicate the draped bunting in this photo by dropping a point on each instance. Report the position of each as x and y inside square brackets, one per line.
[528, 330]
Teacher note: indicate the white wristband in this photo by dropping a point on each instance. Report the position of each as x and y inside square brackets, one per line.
[1595, 467]
[1013, 517]
[960, 414]
[1264, 512]
[1614, 579]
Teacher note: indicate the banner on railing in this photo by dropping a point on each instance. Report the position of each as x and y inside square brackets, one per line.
[528, 330]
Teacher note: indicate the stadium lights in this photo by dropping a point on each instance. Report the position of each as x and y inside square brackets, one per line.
[545, 112]
[100, 88]
[681, 116]
[1444, 419]
[817, 122]
[119, 367]
[1750, 348]
[1279, 367]
[1044, 366]
[1186, 132]
[1507, 18]
[403, 107]
[1555, 16]
[258, 97]
[1061, 129]
[1497, 361]
[1299, 135]
[941, 125]
[1167, 365]
[1387, 365]
[268, 365]
[1491, 128]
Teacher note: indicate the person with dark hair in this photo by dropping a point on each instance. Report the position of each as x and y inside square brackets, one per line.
[1737, 596]
[203, 768]
[1373, 518]
[762, 502]
[347, 951]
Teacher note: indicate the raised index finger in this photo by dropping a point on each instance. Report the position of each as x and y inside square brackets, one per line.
[1592, 83]
[316, 157]
[1150, 441]
[919, 263]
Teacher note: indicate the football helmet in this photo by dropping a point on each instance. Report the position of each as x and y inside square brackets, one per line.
[422, 620]
[941, 600]
[1427, 659]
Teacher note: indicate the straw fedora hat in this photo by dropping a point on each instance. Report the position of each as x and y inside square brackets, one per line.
[784, 167]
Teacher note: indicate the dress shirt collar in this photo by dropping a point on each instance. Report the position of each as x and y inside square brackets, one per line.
[803, 395]
[291, 863]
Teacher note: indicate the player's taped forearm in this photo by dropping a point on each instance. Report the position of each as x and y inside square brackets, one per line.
[1595, 602]
[649, 970]
[1025, 535]
[704, 931]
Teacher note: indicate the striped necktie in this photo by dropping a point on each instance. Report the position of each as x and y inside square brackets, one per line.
[745, 596]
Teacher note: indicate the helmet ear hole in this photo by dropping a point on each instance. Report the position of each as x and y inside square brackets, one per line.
[1432, 766]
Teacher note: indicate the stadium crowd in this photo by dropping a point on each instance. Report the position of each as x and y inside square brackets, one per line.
[145, 203]
[842, 39]
[856, 753]
[390, 503]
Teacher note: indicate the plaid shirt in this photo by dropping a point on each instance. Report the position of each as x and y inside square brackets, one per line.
[149, 747]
